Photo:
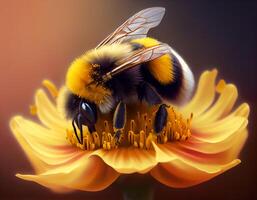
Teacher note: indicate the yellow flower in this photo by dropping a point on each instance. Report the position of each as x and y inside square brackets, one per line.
[191, 150]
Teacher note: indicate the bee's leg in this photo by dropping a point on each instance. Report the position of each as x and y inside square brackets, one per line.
[75, 129]
[119, 120]
[160, 119]
[78, 119]
[80, 122]
[91, 128]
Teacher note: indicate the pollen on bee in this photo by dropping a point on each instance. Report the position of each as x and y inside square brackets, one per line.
[138, 133]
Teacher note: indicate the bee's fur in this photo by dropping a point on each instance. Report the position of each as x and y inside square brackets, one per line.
[169, 91]
[160, 68]
[84, 69]
[123, 85]
[168, 76]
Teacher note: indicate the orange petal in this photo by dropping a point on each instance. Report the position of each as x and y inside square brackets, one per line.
[204, 95]
[86, 173]
[128, 160]
[179, 174]
[43, 147]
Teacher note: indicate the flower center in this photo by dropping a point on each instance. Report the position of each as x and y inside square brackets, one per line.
[138, 131]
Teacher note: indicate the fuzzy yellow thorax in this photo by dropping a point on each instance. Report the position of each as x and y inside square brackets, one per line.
[79, 73]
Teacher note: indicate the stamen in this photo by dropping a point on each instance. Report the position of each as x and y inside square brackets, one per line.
[51, 88]
[220, 86]
[139, 133]
[33, 110]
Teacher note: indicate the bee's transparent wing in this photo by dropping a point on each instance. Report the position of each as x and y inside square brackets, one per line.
[139, 57]
[136, 26]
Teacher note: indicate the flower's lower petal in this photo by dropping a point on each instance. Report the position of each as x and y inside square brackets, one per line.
[128, 160]
[204, 95]
[222, 106]
[179, 174]
[89, 173]
[43, 147]
[48, 113]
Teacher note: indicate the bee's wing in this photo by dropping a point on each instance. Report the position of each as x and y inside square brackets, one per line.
[136, 26]
[139, 57]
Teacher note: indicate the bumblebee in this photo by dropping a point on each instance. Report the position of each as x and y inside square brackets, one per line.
[126, 67]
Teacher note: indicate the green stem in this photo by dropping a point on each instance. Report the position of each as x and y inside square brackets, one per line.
[136, 187]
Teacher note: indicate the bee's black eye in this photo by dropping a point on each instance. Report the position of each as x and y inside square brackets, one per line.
[85, 106]
[88, 111]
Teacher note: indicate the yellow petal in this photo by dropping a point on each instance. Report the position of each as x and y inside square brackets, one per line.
[50, 87]
[33, 130]
[204, 160]
[87, 173]
[221, 107]
[128, 160]
[48, 113]
[38, 165]
[238, 145]
[179, 174]
[242, 111]
[213, 154]
[43, 147]
[234, 141]
[220, 130]
[204, 95]
[162, 154]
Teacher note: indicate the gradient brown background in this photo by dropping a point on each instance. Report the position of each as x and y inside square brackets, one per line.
[38, 39]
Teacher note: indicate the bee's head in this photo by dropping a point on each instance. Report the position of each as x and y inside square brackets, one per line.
[88, 111]
[70, 104]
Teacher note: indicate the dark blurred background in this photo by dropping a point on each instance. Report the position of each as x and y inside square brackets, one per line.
[38, 39]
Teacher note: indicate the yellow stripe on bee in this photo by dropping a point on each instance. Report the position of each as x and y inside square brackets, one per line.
[160, 68]
[78, 76]
[80, 71]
